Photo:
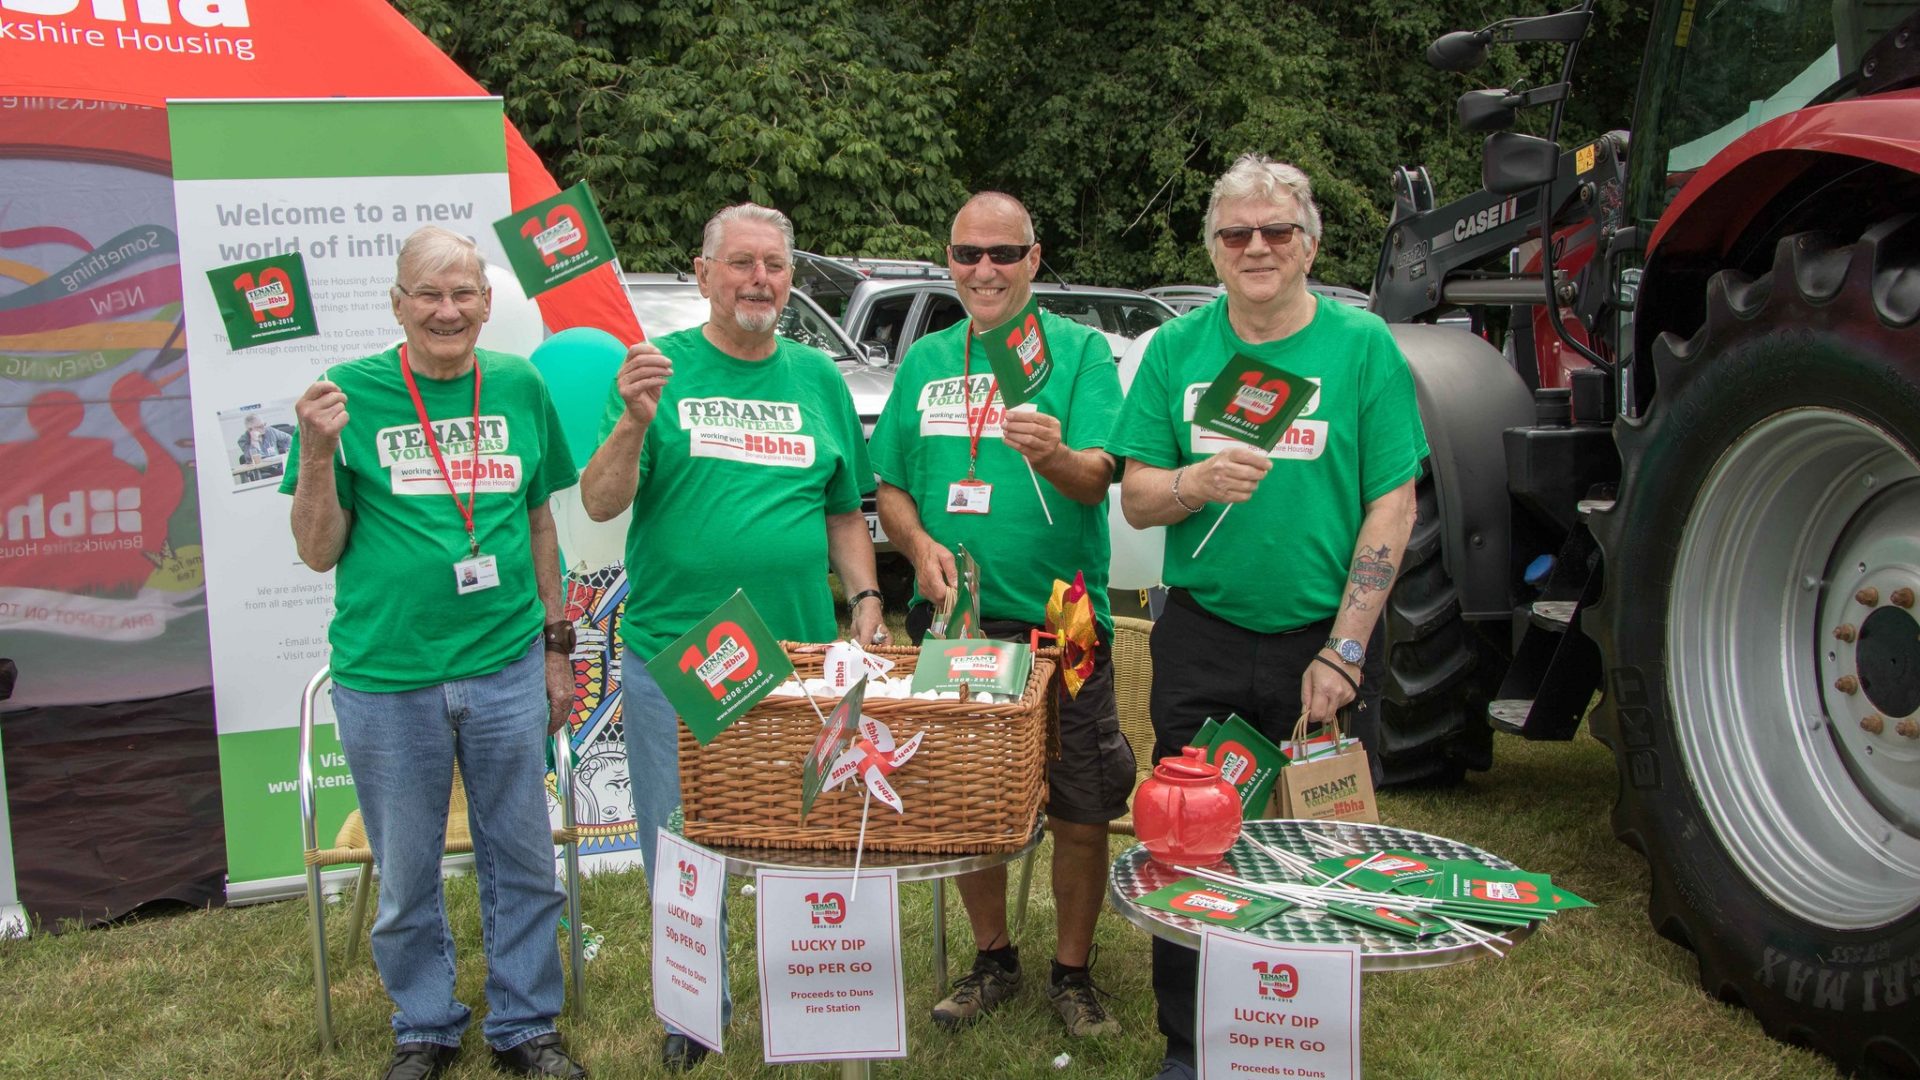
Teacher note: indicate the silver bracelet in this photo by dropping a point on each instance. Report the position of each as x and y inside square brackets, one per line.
[1176, 492]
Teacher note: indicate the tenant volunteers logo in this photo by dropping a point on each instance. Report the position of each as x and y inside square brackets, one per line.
[1276, 980]
[826, 909]
[953, 407]
[264, 301]
[1253, 402]
[1235, 761]
[689, 878]
[716, 671]
[1018, 354]
[1304, 439]
[746, 429]
[1390, 865]
[1505, 892]
[556, 240]
[963, 661]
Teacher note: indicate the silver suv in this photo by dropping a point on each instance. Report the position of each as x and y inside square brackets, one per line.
[890, 314]
[666, 303]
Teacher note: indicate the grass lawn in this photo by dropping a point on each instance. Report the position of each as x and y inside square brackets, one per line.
[229, 993]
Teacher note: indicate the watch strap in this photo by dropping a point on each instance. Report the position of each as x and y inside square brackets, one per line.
[559, 636]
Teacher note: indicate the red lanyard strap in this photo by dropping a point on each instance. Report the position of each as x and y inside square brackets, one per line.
[433, 444]
[974, 431]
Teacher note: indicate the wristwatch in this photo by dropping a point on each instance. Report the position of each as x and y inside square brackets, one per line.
[559, 636]
[1348, 650]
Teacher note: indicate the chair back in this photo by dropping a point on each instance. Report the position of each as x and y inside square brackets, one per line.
[1133, 688]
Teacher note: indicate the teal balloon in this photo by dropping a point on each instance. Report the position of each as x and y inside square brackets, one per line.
[579, 366]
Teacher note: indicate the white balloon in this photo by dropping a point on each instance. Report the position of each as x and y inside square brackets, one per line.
[1137, 553]
[587, 545]
[515, 326]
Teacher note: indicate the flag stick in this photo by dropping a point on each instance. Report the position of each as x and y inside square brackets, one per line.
[1043, 498]
[859, 848]
[816, 706]
[1210, 532]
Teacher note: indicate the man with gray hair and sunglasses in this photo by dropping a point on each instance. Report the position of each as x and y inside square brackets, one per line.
[450, 644]
[1276, 618]
[742, 456]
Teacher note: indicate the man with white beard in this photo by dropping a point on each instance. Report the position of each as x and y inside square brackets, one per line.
[744, 461]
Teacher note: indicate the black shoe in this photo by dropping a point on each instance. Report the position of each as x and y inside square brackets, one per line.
[419, 1061]
[541, 1055]
[680, 1053]
[1174, 1069]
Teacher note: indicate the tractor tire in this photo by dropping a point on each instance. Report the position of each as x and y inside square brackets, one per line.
[1762, 664]
[1432, 710]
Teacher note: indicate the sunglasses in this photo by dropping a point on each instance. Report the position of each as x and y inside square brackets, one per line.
[1277, 234]
[1001, 254]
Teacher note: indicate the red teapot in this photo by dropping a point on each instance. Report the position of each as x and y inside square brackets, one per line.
[1186, 813]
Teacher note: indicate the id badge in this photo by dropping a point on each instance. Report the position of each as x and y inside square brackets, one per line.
[475, 574]
[969, 497]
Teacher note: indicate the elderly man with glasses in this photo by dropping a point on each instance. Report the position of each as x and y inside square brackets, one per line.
[742, 456]
[953, 466]
[429, 501]
[1277, 616]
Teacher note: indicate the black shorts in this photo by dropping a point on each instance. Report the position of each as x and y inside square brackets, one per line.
[1093, 778]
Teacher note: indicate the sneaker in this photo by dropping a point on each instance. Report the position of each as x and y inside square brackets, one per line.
[977, 993]
[1077, 1001]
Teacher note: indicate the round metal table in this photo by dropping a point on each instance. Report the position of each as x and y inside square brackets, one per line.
[909, 866]
[1135, 874]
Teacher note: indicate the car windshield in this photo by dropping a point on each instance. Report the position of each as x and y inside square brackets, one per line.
[1125, 316]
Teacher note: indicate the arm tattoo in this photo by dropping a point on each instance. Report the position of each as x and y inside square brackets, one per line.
[1372, 572]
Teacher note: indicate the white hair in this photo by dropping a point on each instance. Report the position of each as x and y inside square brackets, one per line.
[1258, 176]
[431, 250]
[716, 232]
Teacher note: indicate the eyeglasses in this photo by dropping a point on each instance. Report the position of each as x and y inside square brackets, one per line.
[1001, 254]
[1276, 234]
[433, 298]
[744, 264]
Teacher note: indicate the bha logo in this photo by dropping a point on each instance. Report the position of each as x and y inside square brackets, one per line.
[100, 512]
[1235, 762]
[1276, 980]
[1025, 341]
[689, 879]
[827, 909]
[202, 13]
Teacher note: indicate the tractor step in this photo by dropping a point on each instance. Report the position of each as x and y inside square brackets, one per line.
[1593, 506]
[1553, 614]
[1509, 715]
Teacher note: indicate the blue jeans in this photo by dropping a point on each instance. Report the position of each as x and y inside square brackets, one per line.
[401, 748]
[652, 729]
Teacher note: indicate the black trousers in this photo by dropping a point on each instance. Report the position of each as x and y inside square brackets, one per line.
[1205, 666]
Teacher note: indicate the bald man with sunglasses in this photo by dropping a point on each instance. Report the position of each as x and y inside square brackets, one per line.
[953, 468]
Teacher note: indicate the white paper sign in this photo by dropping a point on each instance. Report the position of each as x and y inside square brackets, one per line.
[830, 970]
[1273, 1010]
[689, 976]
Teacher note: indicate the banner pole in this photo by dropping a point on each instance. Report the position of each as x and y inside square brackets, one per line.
[1210, 532]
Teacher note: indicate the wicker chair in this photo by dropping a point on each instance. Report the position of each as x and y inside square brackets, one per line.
[1132, 686]
[351, 848]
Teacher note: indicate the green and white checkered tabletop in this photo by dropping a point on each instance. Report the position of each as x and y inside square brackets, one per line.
[1135, 874]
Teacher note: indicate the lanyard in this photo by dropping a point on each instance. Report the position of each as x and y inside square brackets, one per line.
[433, 444]
[974, 431]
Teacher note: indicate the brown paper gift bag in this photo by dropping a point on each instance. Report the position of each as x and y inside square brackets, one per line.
[1336, 787]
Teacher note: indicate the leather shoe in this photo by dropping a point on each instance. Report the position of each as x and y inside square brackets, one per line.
[419, 1061]
[541, 1055]
[680, 1053]
[1174, 1069]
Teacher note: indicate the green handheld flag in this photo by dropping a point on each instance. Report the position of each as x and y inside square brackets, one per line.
[556, 240]
[1253, 402]
[959, 617]
[714, 673]
[1017, 352]
[1249, 761]
[1214, 904]
[264, 301]
[999, 667]
[841, 723]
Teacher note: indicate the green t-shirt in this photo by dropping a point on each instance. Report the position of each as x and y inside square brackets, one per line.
[741, 466]
[399, 621]
[1280, 561]
[920, 445]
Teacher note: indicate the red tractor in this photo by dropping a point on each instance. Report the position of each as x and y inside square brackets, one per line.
[1691, 483]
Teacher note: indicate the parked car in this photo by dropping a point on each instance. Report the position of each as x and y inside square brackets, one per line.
[831, 279]
[891, 313]
[665, 303]
[1184, 298]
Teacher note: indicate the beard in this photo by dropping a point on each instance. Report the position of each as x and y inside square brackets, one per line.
[756, 324]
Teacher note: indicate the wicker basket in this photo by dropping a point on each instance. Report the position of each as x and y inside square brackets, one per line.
[975, 785]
